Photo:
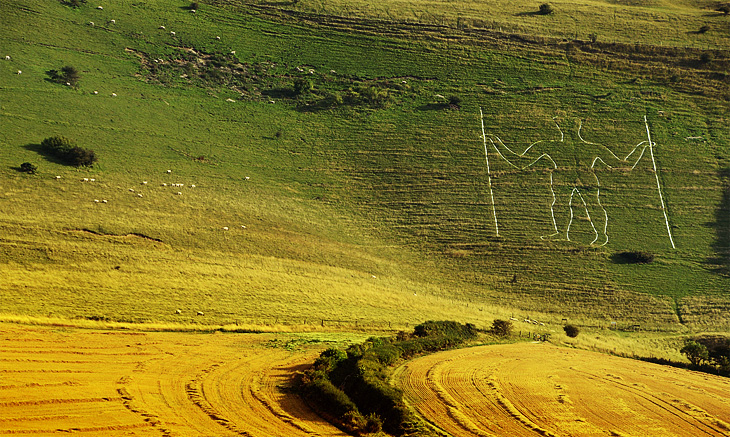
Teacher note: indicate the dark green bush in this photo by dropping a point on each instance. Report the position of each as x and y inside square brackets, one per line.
[704, 29]
[68, 75]
[634, 257]
[546, 9]
[27, 167]
[571, 331]
[63, 149]
[501, 328]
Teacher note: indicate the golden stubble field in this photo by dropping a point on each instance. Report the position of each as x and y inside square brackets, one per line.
[531, 389]
[115, 383]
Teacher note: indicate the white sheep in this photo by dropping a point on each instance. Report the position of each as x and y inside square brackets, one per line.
[247, 178]
[99, 7]
[113, 21]
[132, 190]
[139, 194]
[104, 201]
[20, 72]
[85, 180]
[192, 186]
[96, 92]
[192, 11]
[7, 57]
[91, 23]
[169, 171]
[92, 180]
[200, 313]
[233, 52]
[114, 94]
[164, 184]
[243, 226]
[68, 83]
[162, 27]
[178, 311]
[96, 200]
[225, 228]
[58, 177]
[218, 38]
[144, 182]
[230, 100]
[172, 33]
[179, 193]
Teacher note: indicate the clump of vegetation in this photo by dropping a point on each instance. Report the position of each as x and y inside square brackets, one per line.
[725, 9]
[709, 353]
[73, 3]
[634, 257]
[63, 149]
[352, 388]
[68, 75]
[546, 9]
[571, 331]
[27, 167]
[704, 29]
[501, 328]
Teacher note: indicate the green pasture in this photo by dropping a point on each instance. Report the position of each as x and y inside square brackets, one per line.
[369, 214]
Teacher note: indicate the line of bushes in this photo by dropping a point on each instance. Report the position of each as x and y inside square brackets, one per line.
[351, 387]
[64, 150]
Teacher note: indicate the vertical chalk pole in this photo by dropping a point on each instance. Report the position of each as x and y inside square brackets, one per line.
[489, 175]
[658, 187]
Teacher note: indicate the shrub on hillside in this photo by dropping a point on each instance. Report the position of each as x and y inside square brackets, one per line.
[725, 9]
[696, 353]
[27, 167]
[68, 75]
[634, 257]
[546, 9]
[571, 331]
[501, 328]
[63, 149]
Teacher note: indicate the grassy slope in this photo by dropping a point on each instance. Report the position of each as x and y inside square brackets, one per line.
[373, 215]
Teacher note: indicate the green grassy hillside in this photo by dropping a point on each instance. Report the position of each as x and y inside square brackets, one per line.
[333, 181]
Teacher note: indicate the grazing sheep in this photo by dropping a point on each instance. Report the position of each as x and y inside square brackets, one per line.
[299, 69]
[7, 57]
[233, 52]
[68, 83]
[139, 194]
[513, 319]
[225, 228]
[192, 11]
[243, 226]
[162, 27]
[172, 33]
[164, 184]
[20, 72]
[311, 71]
[218, 38]
[85, 180]
[169, 171]
[99, 7]
[114, 94]
[96, 200]
[91, 23]
[179, 193]
[230, 100]
[403, 81]
[132, 190]
[178, 311]
[113, 21]
[96, 92]
[144, 182]
[92, 180]
[200, 313]
[247, 178]
[192, 186]
[104, 201]
[58, 177]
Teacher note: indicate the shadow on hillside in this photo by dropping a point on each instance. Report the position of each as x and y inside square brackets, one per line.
[528, 14]
[721, 224]
[44, 153]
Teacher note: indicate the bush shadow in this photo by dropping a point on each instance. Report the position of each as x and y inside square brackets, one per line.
[37, 148]
[721, 245]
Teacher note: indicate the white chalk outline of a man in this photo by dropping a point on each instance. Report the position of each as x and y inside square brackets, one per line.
[573, 186]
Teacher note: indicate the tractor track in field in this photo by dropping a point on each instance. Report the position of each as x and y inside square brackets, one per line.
[157, 384]
[543, 390]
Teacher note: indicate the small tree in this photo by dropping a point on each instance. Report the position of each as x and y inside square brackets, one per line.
[63, 149]
[501, 328]
[68, 75]
[696, 353]
[27, 167]
[571, 331]
[546, 9]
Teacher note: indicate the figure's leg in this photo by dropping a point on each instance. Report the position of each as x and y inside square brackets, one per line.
[598, 215]
[559, 208]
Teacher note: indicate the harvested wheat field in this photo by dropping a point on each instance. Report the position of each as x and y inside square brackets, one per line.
[540, 389]
[117, 383]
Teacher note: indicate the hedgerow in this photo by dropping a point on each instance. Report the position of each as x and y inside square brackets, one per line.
[352, 386]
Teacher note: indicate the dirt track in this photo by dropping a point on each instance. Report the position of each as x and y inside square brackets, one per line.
[539, 389]
[57, 380]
